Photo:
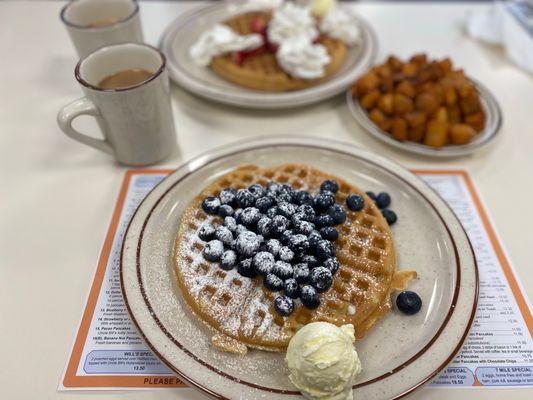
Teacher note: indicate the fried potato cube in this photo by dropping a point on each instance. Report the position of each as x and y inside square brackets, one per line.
[410, 69]
[461, 133]
[366, 83]
[470, 104]
[427, 102]
[377, 116]
[406, 88]
[450, 95]
[416, 134]
[385, 125]
[399, 129]
[415, 119]
[454, 114]
[402, 104]
[476, 121]
[441, 115]
[369, 100]
[386, 85]
[419, 58]
[436, 133]
[446, 65]
[386, 103]
[394, 62]
[384, 71]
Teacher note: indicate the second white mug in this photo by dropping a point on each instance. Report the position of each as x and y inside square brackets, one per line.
[136, 121]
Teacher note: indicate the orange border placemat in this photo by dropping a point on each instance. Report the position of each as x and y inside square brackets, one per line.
[71, 380]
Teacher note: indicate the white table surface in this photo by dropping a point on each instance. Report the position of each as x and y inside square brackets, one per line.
[57, 195]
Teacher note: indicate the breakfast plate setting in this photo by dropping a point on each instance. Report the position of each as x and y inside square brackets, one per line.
[203, 291]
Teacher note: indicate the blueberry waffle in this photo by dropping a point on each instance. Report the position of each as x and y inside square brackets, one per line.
[263, 251]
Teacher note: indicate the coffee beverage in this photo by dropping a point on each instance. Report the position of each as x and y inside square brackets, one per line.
[124, 79]
[99, 23]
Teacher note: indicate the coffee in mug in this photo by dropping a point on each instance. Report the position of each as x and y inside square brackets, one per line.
[127, 90]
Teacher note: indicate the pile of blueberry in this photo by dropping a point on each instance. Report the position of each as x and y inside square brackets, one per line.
[383, 201]
[281, 234]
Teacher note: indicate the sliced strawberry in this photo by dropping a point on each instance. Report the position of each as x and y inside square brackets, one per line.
[239, 57]
[258, 25]
[272, 47]
[253, 52]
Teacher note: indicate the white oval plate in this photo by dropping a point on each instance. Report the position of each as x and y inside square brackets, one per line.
[183, 32]
[400, 354]
[492, 127]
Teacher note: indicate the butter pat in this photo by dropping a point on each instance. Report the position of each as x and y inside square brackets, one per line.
[320, 8]
[323, 362]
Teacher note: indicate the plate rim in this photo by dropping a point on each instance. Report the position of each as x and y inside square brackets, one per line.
[222, 151]
[273, 101]
[362, 119]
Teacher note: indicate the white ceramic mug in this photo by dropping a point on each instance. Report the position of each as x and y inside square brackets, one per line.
[136, 121]
[92, 24]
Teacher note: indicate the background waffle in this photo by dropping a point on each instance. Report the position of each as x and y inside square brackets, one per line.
[240, 310]
[261, 71]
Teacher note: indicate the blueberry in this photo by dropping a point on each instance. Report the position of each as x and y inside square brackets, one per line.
[302, 197]
[279, 224]
[206, 232]
[283, 270]
[213, 250]
[240, 229]
[273, 282]
[228, 196]
[301, 272]
[247, 244]
[332, 264]
[250, 216]
[273, 187]
[237, 213]
[329, 233]
[291, 288]
[284, 305]
[257, 190]
[329, 186]
[264, 203]
[321, 279]
[245, 198]
[286, 209]
[409, 302]
[324, 200]
[286, 193]
[390, 216]
[298, 243]
[230, 223]
[246, 269]
[311, 261]
[337, 213]
[224, 235]
[324, 250]
[285, 254]
[372, 195]
[309, 297]
[286, 237]
[323, 220]
[224, 211]
[355, 202]
[263, 262]
[273, 246]
[262, 226]
[210, 205]
[314, 238]
[383, 200]
[304, 227]
[228, 260]
[272, 212]
[307, 211]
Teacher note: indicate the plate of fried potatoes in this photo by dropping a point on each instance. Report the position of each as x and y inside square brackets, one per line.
[425, 106]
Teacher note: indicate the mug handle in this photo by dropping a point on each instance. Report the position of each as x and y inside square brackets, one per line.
[78, 107]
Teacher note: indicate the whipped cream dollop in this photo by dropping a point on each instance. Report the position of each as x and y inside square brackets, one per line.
[265, 4]
[302, 59]
[290, 21]
[221, 39]
[323, 362]
[341, 23]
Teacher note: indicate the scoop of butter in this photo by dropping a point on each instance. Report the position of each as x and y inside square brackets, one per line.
[323, 362]
[319, 8]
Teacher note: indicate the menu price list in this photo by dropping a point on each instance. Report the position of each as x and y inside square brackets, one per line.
[498, 351]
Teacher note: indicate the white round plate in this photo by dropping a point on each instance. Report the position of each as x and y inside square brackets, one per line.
[400, 354]
[492, 127]
[183, 32]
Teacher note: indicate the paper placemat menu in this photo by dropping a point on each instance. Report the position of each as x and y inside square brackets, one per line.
[109, 353]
